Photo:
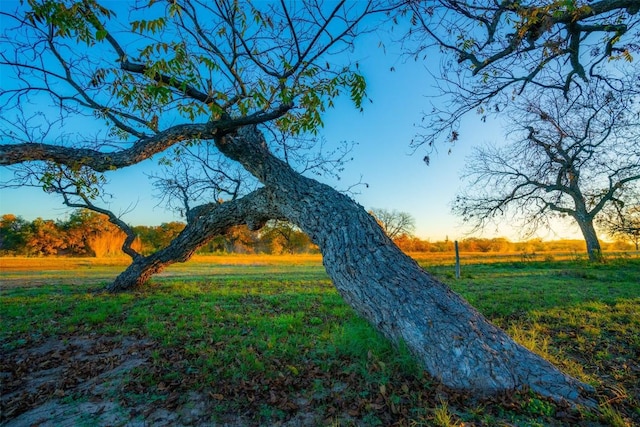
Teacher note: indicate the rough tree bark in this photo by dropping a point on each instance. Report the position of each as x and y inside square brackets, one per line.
[591, 237]
[203, 224]
[585, 222]
[452, 340]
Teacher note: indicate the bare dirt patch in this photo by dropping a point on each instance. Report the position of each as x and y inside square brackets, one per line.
[68, 381]
[71, 381]
[82, 380]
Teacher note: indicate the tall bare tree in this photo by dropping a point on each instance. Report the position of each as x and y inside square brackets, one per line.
[226, 74]
[394, 223]
[569, 157]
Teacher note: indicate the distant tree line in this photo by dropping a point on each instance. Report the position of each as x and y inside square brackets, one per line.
[86, 233]
[500, 244]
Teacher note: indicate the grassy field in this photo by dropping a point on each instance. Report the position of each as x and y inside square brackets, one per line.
[266, 340]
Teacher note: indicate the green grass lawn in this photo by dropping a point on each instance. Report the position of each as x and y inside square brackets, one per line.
[268, 341]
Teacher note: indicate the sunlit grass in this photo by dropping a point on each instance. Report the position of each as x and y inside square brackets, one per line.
[70, 263]
[240, 327]
[53, 263]
[442, 417]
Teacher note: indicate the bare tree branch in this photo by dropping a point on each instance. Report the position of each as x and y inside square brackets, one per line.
[502, 49]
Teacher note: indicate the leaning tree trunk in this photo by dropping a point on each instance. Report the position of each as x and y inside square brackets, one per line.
[452, 340]
[590, 237]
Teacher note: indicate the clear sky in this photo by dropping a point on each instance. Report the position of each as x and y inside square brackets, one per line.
[382, 157]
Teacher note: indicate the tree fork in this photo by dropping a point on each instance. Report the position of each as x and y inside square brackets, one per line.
[204, 223]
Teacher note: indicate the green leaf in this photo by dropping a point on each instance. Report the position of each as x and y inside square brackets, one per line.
[101, 35]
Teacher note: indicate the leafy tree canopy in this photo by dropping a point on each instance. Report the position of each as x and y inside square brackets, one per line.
[164, 73]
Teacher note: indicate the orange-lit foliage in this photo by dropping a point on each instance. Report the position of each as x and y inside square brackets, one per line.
[86, 233]
[413, 244]
[155, 238]
[45, 238]
[502, 245]
[109, 243]
[281, 237]
[92, 234]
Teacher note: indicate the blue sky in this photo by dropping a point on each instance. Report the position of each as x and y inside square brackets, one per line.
[382, 157]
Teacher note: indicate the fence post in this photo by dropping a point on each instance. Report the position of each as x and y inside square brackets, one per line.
[457, 260]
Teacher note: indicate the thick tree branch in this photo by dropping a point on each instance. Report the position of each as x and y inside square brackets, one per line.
[141, 150]
[204, 223]
[100, 161]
